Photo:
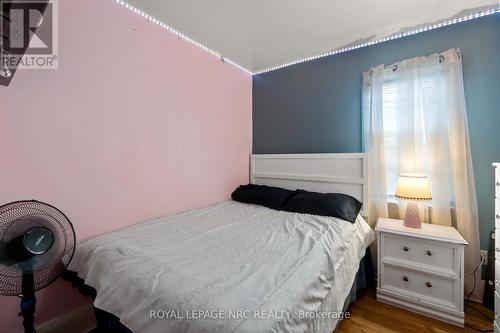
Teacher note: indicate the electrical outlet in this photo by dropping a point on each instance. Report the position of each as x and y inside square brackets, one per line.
[484, 257]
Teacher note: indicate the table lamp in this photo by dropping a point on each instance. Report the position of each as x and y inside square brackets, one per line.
[413, 187]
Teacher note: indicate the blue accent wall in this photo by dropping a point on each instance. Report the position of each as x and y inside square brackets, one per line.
[315, 107]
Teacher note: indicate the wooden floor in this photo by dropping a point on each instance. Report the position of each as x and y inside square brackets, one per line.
[370, 316]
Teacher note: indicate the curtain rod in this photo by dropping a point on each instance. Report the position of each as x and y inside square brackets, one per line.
[394, 67]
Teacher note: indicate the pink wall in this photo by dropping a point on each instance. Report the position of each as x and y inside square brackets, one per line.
[134, 124]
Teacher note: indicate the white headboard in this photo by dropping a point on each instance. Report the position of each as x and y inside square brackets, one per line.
[327, 173]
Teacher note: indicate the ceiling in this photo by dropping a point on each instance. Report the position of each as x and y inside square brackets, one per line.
[259, 34]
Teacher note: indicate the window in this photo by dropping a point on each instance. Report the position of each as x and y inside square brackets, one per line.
[398, 94]
[389, 96]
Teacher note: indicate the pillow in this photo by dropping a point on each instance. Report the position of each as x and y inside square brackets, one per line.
[267, 196]
[338, 205]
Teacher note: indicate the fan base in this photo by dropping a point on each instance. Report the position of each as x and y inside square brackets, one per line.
[28, 304]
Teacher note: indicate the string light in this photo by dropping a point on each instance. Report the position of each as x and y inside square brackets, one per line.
[298, 61]
[180, 35]
[384, 39]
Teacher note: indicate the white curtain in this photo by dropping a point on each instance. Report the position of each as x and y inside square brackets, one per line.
[415, 120]
[373, 125]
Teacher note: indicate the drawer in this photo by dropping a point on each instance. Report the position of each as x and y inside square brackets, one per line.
[438, 290]
[497, 312]
[497, 304]
[497, 214]
[497, 274]
[440, 255]
[497, 182]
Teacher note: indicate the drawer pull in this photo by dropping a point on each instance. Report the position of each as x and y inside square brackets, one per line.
[497, 216]
[496, 283]
[497, 183]
[429, 253]
[405, 248]
[497, 249]
[405, 278]
[428, 284]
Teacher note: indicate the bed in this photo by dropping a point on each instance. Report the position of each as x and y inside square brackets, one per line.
[236, 267]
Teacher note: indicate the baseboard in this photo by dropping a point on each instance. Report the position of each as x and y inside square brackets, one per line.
[80, 320]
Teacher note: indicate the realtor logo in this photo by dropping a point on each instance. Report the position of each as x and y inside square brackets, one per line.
[29, 33]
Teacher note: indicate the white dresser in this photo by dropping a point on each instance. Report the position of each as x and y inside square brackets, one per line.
[421, 270]
[496, 323]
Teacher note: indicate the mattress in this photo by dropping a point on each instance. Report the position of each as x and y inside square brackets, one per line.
[231, 267]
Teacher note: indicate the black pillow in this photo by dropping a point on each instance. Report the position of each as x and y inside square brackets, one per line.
[338, 205]
[267, 196]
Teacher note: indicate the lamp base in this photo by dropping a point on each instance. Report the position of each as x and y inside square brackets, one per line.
[412, 217]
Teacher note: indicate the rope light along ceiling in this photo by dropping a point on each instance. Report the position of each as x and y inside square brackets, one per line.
[469, 17]
[181, 35]
[385, 39]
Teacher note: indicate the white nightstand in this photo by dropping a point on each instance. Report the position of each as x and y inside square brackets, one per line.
[421, 270]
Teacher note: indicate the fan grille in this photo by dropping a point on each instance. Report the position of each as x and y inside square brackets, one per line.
[18, 217]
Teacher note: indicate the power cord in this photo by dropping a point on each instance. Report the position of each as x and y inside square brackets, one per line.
[481, 312]
[474, 277]
[470, 294]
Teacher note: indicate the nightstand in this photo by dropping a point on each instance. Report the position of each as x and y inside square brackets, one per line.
[421, 270]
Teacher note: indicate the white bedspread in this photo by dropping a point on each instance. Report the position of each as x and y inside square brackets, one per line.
[274, 267]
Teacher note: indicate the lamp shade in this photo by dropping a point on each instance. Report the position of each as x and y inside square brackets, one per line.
[413, 186]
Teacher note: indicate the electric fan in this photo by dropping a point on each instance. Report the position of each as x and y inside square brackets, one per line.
[37, 244]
